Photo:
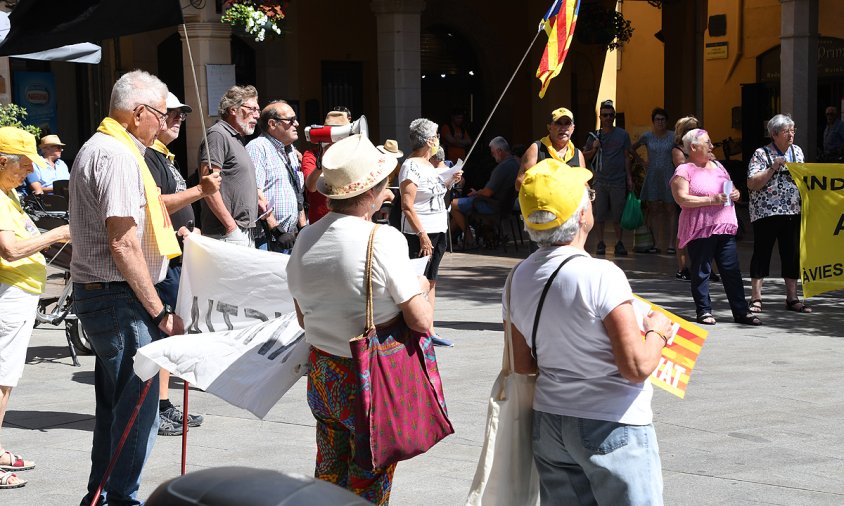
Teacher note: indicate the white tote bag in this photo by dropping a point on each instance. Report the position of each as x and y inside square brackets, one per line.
[506, 474]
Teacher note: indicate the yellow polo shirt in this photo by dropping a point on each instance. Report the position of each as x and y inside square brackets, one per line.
[28, 273]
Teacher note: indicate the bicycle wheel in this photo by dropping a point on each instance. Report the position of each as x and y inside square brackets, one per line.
[77, 336]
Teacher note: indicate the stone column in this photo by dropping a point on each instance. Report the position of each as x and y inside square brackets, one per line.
[210, 42]
[799, 70]
[399, 67]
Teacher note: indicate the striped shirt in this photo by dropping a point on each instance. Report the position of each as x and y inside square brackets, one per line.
[281, 181]
[106, 182]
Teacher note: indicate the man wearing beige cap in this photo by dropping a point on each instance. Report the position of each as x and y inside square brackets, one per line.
[42, 177]
[557, 144]
[312, 168]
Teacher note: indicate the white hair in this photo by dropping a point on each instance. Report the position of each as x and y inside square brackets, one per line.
[562, 234]
[691, 138]
[421, 130]
[500, 143]
[135, 88]
[779, 123]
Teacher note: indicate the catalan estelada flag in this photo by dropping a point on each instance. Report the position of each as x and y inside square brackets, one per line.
[558, 23]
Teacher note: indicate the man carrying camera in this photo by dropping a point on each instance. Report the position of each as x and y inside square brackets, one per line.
[280, 182]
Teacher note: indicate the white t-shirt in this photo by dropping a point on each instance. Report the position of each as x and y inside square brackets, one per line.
[326, 277]
[578, 375]
[430, 197]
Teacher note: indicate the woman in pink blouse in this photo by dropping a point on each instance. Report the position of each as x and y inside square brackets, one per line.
[707, 227]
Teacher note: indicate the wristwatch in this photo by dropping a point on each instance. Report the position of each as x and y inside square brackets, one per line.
[163, 314]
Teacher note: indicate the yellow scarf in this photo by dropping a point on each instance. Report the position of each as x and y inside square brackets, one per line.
[553, 151]
[162, 229]
[162, 148]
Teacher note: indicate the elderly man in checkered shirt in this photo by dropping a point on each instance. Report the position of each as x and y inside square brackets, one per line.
[278, 174]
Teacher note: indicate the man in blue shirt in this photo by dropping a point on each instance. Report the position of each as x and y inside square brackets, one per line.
[42, 177]
[278, 175]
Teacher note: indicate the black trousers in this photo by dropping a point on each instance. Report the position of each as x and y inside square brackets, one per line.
[784, 230]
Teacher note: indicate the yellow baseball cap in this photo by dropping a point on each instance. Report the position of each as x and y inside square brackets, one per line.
[561, 112]
[14, 141]
[552, 186]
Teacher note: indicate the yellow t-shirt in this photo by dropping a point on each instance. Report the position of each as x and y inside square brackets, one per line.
[28, 273]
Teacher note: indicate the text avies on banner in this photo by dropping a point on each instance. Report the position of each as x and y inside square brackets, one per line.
[821, 188]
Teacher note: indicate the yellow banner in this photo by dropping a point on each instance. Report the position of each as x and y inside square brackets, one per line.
[821, 188]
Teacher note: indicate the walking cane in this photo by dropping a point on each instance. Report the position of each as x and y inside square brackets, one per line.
[122, 441]
[185, 427]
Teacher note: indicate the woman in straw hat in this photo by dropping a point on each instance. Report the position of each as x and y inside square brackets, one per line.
[23, 274]
[326, 278]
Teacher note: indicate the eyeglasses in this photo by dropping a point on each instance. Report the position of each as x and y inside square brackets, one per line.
[788, 131]
[658, 118]
[162, 116]
[607, 114]
[177, 114]
[289, 121]
[591, 194]
[252, 109]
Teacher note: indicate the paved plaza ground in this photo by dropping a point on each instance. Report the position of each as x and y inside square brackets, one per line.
[761, 422]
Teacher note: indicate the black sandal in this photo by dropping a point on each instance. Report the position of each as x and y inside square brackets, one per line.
[756, 306]
[748, 319]
[797, 306]
[706, 319]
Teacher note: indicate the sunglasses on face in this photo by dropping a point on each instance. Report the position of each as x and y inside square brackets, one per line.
[607, 115]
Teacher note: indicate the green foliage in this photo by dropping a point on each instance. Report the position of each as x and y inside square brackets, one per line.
[607, 27]
[13, 115]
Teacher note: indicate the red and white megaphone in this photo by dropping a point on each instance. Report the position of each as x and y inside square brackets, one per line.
[333, 133]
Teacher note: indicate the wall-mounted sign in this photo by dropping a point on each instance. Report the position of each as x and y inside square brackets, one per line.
[716, 51]
[36, 92]
[830, 61]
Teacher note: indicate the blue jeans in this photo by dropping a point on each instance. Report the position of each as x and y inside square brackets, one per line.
[117, 325]
[583, 461]
[722, 249]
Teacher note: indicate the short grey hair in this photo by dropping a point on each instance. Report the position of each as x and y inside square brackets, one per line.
[421, 130]
[235, 97]
[269, 113]
[564, 234]
[500, 143]
[15, 159]
[135, 88]
[779, 123]
[691, 138]
[439, 156]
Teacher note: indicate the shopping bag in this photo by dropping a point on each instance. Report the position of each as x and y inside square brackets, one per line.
[643, 239]
[632, 217]
[400, 408]
[506, 473]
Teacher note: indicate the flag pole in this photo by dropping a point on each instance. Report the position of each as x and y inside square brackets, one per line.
[198, 99]
[495, 107]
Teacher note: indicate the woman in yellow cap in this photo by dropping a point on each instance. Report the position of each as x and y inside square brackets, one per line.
[23, 273]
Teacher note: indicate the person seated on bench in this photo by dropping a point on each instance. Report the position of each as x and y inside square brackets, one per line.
[487, 199]
[42, 177]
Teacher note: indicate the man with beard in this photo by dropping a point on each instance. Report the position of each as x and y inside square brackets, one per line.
[229, 215]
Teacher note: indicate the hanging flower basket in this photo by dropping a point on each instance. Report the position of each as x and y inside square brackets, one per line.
[607, 27]
[257, 18]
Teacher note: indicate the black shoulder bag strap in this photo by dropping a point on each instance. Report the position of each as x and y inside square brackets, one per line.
[542, 301]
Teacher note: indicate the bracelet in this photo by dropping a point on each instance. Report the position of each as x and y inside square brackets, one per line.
[420, 233]
[664, 339]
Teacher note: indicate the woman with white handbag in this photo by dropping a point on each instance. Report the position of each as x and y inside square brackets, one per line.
[592, 434]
